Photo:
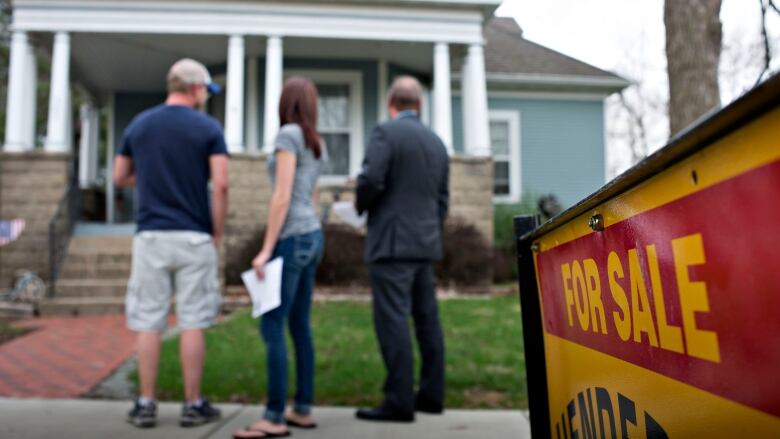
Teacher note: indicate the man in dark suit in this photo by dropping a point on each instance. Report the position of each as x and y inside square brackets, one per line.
[404, 188]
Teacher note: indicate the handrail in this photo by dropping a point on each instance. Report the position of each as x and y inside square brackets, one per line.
[61, 227]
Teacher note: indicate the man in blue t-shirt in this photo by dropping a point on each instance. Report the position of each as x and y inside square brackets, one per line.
[169, 153]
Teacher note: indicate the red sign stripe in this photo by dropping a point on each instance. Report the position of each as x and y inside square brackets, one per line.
[737, 223]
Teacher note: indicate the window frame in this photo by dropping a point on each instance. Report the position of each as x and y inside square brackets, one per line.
[354, 80]
[512, 118]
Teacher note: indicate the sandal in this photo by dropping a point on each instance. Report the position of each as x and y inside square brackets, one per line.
[249, 433]
[297, 424]
[256, 433]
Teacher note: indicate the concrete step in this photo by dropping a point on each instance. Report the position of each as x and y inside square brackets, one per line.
[87, 244]
[98, 258]
[104, 270]
[76, 306]
[87, 287]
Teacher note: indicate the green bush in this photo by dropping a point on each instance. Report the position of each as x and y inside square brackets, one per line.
[503, 214]
[504, 264]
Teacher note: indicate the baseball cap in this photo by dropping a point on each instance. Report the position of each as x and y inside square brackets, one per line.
[189, 71]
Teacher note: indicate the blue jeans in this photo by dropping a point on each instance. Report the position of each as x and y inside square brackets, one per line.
[301, 255]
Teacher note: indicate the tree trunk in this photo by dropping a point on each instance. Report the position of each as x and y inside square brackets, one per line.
[693, 40]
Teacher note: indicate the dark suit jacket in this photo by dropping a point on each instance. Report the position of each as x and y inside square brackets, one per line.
[404, 188]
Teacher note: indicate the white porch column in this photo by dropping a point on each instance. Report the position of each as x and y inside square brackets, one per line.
[465, 106]
[252, 124]
[30, 98]
[475, 110]
[234, 101]
[15, 125]
[273, 90]
[59, 95]
[442, 94]
[88, 151]
[382, 90]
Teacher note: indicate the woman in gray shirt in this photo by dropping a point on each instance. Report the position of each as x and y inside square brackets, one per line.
[294, 233]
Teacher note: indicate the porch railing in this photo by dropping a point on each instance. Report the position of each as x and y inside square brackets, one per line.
[61, 226]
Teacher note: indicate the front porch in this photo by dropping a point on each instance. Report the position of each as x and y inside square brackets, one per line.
[118, 62]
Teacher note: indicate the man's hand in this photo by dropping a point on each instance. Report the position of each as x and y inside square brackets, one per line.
[258, 263]
[124, 175]
[217, 238]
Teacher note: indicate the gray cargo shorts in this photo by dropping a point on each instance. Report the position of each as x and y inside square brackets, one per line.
[165, 262]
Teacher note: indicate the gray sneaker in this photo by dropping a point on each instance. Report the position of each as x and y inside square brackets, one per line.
[143, 416]
[194, 415]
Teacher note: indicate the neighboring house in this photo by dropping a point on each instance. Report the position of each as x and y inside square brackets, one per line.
[517, 118]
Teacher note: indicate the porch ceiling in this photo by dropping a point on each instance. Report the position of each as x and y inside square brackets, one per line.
[138, 62]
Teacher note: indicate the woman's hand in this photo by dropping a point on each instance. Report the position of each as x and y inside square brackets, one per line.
[258, 263]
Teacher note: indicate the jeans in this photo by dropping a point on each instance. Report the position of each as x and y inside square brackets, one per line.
[301, 255]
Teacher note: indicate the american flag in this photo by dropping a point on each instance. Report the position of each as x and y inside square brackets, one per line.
[10, 231]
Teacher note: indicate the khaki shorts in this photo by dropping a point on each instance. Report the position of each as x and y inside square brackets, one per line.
[165, 262]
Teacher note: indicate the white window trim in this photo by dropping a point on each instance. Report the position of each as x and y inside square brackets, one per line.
[353, 79]
[512, 117]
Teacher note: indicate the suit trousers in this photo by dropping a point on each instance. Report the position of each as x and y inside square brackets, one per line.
[402, 289]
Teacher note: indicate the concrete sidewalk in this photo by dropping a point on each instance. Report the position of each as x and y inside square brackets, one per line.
[87, 419]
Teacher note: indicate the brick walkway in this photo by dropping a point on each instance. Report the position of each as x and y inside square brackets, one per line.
[65, 357]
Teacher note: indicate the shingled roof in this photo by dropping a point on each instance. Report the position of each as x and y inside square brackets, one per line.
[511, 59]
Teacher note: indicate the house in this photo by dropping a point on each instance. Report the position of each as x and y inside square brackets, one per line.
[516, 117]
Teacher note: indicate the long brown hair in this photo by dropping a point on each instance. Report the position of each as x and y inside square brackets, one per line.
[298, 104]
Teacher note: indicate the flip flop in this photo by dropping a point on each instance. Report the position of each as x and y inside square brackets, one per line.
[261, 433]
[295, 424]
[254, 434]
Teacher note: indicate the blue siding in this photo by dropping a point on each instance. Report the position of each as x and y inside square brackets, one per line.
[562, 144]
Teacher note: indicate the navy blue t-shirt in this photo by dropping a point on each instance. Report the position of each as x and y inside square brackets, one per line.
[170, 146]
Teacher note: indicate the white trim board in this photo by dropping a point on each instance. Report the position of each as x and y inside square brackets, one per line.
[354, 79]
[512, 117]
[545, 95]
[360, 22]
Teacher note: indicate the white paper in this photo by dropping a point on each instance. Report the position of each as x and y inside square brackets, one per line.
[347, 212]
[266, 294]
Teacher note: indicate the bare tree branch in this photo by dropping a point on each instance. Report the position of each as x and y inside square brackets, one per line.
[770, 4]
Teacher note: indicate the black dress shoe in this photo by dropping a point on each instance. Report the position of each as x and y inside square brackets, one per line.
[428, 407]
[383, 414]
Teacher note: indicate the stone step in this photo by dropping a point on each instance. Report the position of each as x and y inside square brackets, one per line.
[75, 306]
[99, 258]
[91, 288]
[91, 244]
[104, 270]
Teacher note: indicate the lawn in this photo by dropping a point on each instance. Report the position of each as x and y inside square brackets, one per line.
[8, 332]
[483, 343]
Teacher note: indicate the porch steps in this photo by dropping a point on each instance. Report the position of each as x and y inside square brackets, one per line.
[93, 279]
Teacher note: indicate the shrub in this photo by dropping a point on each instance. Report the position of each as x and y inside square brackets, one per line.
[466, 260]
[342, 264]
[239, 256]
[503, 224]
[504, 264]
[467, 256]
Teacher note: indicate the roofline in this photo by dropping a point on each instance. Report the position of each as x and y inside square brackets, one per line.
[608, 85]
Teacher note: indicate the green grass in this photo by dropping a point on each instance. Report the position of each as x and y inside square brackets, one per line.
[8, 332]
[483, 340]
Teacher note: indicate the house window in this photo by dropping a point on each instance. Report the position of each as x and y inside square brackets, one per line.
[505, 144]
[339, 121]
[334, 126]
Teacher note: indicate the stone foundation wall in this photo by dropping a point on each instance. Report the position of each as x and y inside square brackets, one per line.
[32, 184]
[248, 202]
[471, 193]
